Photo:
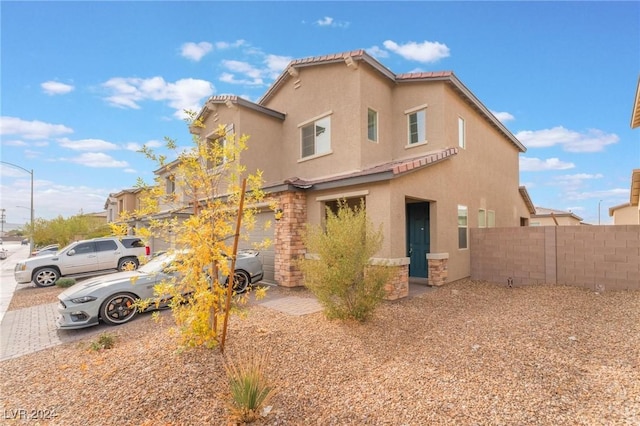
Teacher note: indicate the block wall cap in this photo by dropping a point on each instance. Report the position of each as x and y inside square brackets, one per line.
[437, 256]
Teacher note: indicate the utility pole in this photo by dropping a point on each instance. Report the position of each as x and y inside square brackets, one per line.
[3, 219]
[599, 211]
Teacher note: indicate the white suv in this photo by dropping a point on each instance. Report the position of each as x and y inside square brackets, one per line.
[83, 258]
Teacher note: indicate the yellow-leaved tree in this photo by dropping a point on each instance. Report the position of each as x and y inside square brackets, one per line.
[197, 203]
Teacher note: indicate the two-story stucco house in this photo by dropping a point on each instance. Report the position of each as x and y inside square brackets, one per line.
[427, 157]
[121, 203]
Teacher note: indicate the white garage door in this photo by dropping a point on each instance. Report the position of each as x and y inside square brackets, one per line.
[259, 234]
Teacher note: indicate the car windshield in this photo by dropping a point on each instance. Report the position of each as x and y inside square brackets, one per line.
[157, 264]
[68, 247]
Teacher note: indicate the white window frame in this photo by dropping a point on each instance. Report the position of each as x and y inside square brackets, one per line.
[421, 126]
[463, 216]
[482, 218]
[325, 147]
[215, 137]
[462, 133]
[170, 185]
[491, 219]
[372, 128]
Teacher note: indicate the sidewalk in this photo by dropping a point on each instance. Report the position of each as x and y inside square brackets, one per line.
[15, 253]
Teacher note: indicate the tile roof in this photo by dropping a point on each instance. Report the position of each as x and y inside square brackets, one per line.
[361, 55]
[543, 212]
[380, 172]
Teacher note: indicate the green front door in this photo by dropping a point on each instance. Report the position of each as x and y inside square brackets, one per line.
[418, 238]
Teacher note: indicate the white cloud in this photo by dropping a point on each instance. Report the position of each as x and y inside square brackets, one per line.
[426, 51]
[135, 146]
[503, 116]
[242, 68]
[377, 52]
[328, 21]
[229, 78]
[575, 181]
[87, 144]
[53, 199]
[56, 88]
[16, 142]
[183, 94]
[221, 45]
[593, 140]
[31, 129]
[255, 76]
[276, 64]
[604, 194]
[97, 160]
[528, 164]
[195, 51]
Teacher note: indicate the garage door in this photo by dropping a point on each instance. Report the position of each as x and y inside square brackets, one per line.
[259, 234]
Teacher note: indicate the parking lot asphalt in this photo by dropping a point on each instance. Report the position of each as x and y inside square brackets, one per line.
[32, 329]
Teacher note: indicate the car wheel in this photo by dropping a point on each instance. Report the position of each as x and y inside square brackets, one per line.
[128, 264]
[45, 277]
[118, 309]
[241, 281]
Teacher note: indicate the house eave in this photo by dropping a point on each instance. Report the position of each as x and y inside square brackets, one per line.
[635, 111]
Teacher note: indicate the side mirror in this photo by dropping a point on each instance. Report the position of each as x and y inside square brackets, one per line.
[71, 252]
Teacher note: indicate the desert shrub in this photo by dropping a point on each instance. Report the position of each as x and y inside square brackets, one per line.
[65, 282]
[250, 388]
[104, 341]
[339, 272]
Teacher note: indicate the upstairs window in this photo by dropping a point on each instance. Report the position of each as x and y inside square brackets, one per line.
[217, 148]
[417, 126]
[315, 137]
[461, 133]
[372, 125]
[170, 184]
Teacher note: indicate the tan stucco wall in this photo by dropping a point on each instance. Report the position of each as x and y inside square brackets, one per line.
[484, 174]
[629, 215]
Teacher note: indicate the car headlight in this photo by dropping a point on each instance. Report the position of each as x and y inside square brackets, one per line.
[20, 266]
[84, 299]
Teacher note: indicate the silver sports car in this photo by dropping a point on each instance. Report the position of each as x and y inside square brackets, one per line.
[111, 298]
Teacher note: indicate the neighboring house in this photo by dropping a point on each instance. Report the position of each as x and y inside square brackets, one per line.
[121, 203]
[550, 217]
[629, 213]
[427, 157]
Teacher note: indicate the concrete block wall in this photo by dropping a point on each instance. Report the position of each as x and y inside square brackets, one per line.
[595, 257]
[600, 257]
[503, 254]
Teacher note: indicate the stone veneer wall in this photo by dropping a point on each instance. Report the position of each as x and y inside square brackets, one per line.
[288, 239]
[438, 268]
[398, 285]
[595, 257]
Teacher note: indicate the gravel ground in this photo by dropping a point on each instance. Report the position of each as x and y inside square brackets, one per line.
[469, 353]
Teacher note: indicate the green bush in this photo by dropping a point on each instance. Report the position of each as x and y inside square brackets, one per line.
[105, 341]
[250, 388]
[340, 275]
[65, 282]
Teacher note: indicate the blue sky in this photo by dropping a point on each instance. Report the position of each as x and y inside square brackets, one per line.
[86, 84]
